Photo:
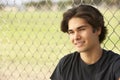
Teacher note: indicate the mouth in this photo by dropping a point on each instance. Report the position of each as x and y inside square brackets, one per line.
[79, 43]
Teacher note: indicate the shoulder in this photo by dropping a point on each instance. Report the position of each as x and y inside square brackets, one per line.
[69, 57]
[114, 59]
[111, 55]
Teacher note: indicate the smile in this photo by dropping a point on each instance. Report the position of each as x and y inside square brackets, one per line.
[79, 43]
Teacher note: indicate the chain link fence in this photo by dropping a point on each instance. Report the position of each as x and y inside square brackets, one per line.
[31, 42]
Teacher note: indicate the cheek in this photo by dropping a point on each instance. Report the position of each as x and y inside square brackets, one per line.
[87, 36]
[71, 39]
[91, 38]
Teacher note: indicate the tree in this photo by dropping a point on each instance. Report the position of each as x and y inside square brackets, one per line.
[97, 2]
[40, 4]
[1, 6]
[63, 4]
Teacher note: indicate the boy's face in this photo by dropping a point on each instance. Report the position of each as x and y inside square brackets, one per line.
[82, 35]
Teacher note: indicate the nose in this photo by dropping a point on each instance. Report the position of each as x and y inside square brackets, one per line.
[77, 36]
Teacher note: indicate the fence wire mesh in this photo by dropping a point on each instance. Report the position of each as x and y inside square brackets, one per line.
[31, 42]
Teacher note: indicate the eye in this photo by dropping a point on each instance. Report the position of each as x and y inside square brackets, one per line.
[70, 32]
[81, 29]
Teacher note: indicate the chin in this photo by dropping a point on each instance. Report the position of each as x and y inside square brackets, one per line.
[81, 50]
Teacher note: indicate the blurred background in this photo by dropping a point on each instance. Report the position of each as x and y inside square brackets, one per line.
[31, 43]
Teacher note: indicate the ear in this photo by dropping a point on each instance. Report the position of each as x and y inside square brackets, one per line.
[98, 31]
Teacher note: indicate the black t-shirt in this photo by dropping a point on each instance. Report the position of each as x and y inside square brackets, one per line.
[71, 67]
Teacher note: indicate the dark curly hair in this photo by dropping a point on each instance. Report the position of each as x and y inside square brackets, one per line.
[90, 14]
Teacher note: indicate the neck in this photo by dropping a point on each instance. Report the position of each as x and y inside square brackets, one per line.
[91, 56]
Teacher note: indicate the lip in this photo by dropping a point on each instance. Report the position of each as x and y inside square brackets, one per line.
[79, 43]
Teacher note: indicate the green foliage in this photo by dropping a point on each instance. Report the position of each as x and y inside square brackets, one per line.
[40, 4]
[63, 5]
[1, 6]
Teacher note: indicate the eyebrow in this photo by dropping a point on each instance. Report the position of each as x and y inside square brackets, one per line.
[82, 26]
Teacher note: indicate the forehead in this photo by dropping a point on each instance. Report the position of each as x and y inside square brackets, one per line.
[76, 22]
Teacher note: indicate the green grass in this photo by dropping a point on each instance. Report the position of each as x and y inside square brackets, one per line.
[27, 35]
[30, 42]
